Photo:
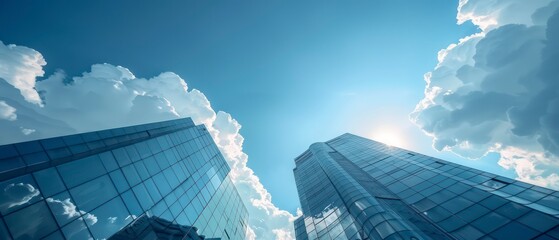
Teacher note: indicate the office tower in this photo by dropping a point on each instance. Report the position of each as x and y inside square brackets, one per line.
[355, 188]
[163, 180]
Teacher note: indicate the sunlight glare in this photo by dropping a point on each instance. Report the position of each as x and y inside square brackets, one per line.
[388, 136]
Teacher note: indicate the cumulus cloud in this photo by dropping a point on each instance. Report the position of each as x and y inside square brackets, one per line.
[69, 209]
[109, 96]
[498, 90]
[20, 66]
[17, 194]
[7, 112]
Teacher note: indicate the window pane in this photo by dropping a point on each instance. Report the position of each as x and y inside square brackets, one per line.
[18, 193]
[80, 171]
[92, 194]
[49, 181]
[63, 208]
[76, 230]
[111, 217]
[38, 222]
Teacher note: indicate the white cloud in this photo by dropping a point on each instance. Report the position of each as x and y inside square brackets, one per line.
[20, 66]
[7, 112]
[497, 90]
[17, 194]
[69, 209]
[27, 131]
[110, 96]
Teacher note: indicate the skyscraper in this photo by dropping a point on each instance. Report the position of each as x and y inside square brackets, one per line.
[166, 180]
[355, 188]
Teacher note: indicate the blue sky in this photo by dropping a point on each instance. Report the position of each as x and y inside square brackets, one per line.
[290, 72]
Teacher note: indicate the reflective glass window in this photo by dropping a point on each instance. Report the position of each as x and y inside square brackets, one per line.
[35, 158]
[80, 171]
[132, 203]
[17, 193]
[111, 217]
[92, 194]
[119, 181]
[38, 219]
[495, 184]
[493, 202]
[131, 175]
[514, 230]
[539, 221]
[152, 165]
[152, 190]
[49, 181]
[52, 143]
[9, 164]
[512, 210]
[76, 230]
[133, 153]
[4, 234]
[457, 204]
[141, 169]
[63, 208]
[531, 195]
[142, 195]
[121, 157]
[27, 147]
[108, 161]
[490, 222]
[473, 212]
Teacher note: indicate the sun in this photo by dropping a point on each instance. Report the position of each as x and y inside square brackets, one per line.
[389, 136]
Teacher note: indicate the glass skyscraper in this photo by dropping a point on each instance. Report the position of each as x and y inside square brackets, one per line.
[163, 180]
[355, 188]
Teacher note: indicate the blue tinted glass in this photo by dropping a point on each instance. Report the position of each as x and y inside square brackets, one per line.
[49, 181]
[92, 194]
[512, 210]
[132, 153]
[132, 203]
[108, 161]
[468, 232]
[63, 208]
[152, 165]
[80, 171]
[473, 212]
[54, 236]
[10, 164]
[514, 230]
[162, 183]
[76, 230]
[59, 153]
[531, 195]
[111, 217]
[152, 189]
[143, 149]
[41, 225]
[35, 158]
[493, 202]
[52, 143]
[490, 222]
[121, 157]
[539, 221]
[28, 147]
[142, 195]
[120, 182]
[81, 148]
[131, 175]
[4, 234]
[17, 193]
[141, 169]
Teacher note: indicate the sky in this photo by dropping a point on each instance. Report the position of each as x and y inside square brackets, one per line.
[271, 77]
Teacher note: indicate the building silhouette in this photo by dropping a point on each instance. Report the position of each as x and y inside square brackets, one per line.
[163, 180]
[355, 188]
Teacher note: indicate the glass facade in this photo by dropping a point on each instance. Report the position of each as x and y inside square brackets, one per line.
[168, 175]
[355, 188]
